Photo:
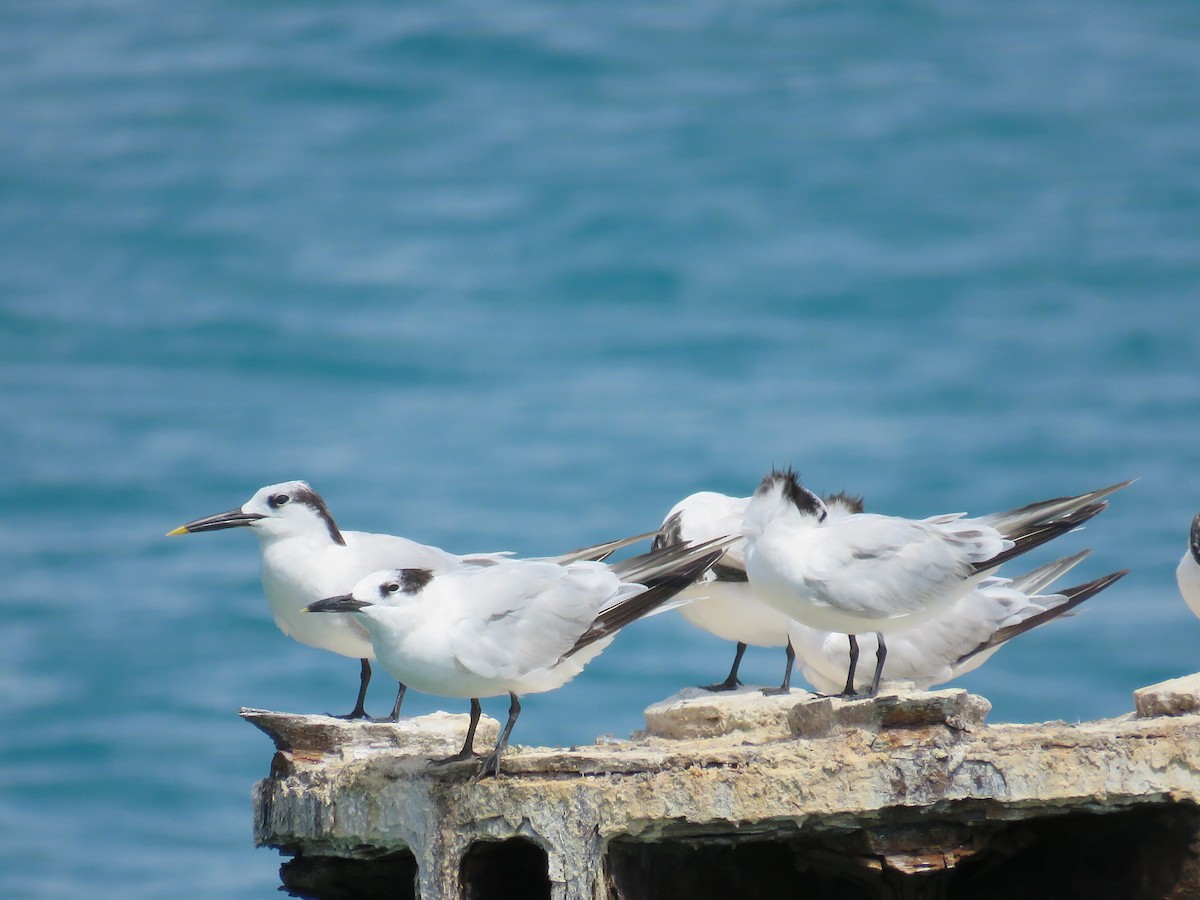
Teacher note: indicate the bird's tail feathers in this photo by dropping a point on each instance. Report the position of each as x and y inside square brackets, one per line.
[599, 552]
[660, 588]
[1014, 521]
[1074, 596]
[1043, 576]
[646, 566]
[1040, 533]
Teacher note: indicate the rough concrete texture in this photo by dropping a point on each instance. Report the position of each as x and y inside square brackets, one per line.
[1177, 697]
[886, 794]
[697, 713]
[436, 735]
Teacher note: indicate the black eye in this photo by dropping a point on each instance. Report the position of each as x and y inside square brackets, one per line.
[391, 587]
[277, 500]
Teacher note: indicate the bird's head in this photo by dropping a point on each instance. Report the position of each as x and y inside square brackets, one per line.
[782, 496]
[288, 509]
[386, 587]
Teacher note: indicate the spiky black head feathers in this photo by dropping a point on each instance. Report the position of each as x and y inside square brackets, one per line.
[793, 491]
[1194, 541]
[850, 502]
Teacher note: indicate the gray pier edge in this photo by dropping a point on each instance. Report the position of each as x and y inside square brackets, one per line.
[888, 794]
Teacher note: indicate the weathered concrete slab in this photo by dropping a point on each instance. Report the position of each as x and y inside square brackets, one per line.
[910, 785]
[894, 707]
[1177, 697]
[697, 713]
[436, 735]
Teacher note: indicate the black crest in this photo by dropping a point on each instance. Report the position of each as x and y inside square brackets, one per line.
[798, 495]
[1194, 542]
[312, 499]
[852, 502]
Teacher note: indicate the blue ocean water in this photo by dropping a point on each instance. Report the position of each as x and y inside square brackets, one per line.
[520, 276]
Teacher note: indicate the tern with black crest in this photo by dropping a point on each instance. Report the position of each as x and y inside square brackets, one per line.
[523, 627]
[722, 602]
[863, 573]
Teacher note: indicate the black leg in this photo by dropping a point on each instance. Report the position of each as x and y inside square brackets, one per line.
[848, 690]
[880, 656]
[491, 762]
[731, 681]
[358, 712]
[395, 716]
[468, 747]
[787, 674]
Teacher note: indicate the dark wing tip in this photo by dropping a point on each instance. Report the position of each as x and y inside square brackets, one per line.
[1075, 596]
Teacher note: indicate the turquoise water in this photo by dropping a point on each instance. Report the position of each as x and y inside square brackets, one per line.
[520, 278]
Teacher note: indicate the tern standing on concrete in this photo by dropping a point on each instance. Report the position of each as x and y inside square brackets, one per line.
[524, 627]
[864, 573]
[305, 557]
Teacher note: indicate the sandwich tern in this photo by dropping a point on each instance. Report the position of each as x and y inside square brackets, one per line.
[957, 640]
[307, 557]
[1188, 572]
[523, 627]
[875, 573]
[722, 602]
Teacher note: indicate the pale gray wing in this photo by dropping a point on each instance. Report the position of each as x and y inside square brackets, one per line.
[512, 619]
[881, 566]
[387, 551]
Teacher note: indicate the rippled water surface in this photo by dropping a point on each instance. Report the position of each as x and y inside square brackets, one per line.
[521, 277]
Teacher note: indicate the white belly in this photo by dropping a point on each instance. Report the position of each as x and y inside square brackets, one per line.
[1188, 576]
[730, 611]
[289, 587]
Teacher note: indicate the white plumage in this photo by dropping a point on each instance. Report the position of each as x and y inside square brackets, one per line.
[723, 602]
[956, 641]
[306, 557]
[1188, 572]
[854, 574]
[489, 632]
[524, 627]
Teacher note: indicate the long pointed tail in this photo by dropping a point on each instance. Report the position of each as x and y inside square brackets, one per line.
[1014, 521]
[1042, 577]
[599, 552]
[648, 565]
[1075, 596]
[660, 588]
[1038, 534]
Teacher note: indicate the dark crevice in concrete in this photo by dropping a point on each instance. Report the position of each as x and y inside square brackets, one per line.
[393, 877]
[515, 869]
[1142, 854]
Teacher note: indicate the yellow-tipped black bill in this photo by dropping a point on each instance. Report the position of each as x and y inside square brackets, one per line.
[231, 519]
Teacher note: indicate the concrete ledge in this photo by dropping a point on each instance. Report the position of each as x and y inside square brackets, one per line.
[431, 736]
[697, 713]
[1177, 697]
[905, 795]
